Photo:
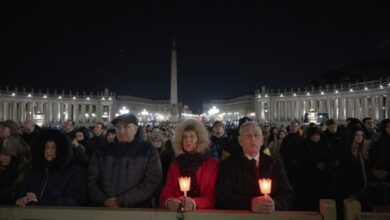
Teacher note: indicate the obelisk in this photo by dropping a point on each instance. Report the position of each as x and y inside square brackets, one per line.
[174, 107]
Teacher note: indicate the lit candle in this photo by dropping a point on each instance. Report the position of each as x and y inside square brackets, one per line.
[265, 186]
[185, 183]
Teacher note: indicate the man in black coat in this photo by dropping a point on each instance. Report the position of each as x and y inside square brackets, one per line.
[127, 172]
[237, 185]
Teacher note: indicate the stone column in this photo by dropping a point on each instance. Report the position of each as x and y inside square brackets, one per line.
[376, 107]
[76, 113]
[23, 107]
[358, 104]
[14, 113]
[365, 107]
[51, 109]
[387, 106]
[83, 111]
[380, 107]
[6, 110]
[343, 110]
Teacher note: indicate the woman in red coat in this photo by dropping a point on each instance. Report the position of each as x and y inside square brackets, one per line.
[192, 160]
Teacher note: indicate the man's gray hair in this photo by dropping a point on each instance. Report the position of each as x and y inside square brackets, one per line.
[247, 124]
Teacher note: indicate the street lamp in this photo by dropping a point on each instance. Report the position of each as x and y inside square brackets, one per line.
[213, 111]
[124, 110]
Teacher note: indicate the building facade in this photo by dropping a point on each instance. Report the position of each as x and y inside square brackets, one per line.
[359, 100]
[48, 108]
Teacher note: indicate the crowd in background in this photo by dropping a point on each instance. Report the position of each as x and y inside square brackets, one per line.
[79, 166]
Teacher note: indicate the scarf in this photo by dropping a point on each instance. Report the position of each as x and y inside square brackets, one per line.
[189, 164]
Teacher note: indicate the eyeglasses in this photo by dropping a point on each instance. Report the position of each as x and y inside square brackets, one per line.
[250, 136]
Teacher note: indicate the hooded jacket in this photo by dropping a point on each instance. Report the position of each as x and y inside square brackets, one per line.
[57, 183]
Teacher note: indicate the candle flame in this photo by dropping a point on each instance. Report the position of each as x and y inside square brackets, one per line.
[185, 183]
[265, 186]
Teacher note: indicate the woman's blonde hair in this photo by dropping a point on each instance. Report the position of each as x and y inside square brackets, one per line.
[359, 148]
[199, 129]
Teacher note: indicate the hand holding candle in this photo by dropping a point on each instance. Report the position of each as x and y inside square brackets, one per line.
[265, 186]
[185, 183]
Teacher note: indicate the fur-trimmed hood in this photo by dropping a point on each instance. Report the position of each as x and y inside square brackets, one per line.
[64, 151]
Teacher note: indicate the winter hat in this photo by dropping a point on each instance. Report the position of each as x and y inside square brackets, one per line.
[10, 147]
[12, 125]
[127, 118]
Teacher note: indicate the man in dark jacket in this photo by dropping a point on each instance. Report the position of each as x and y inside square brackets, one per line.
[219, 137]
[125, 173]
[30, 130]
[237, 185]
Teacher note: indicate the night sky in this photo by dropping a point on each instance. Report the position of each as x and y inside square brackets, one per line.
[224, 49]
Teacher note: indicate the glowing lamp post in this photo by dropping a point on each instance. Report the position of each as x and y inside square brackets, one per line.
[265, 186]
[185, 183]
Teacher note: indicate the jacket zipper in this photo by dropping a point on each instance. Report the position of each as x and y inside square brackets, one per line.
[44, 186]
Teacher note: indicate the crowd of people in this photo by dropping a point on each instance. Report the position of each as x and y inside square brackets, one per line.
[128, 165]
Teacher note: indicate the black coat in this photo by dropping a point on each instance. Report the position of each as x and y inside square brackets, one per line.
[8, 181]
[65, 187]
[294, 154]
[59, 182]
[129, 171]
[238, 183]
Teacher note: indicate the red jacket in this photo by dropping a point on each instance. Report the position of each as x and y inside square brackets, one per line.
[206, 176]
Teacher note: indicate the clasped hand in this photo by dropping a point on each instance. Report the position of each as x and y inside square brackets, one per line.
[263, 204]
[174, 203]
[23, 201]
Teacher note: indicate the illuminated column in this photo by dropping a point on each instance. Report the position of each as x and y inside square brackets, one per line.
[50, 111]
[90, 113]
[28, 110]
[365, 107]
[294, 106]
[99, 112]
[83, 111]
[380, 107]
[22, 116]
[359, 109]
[271, 110]
[321, 105]
[328, 107]
[289, 112]
[61, 112]
[280, 110]
[68, 111]
[76, 113]
[341, 108]
[376, 107]
[299, 112]
[350, 109]
[2, 110]
[337, 108]
[387, 106]
[262, 113]
[6, 110]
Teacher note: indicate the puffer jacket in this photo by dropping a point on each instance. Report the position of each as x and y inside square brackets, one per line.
[57, 183]
[129, 171]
